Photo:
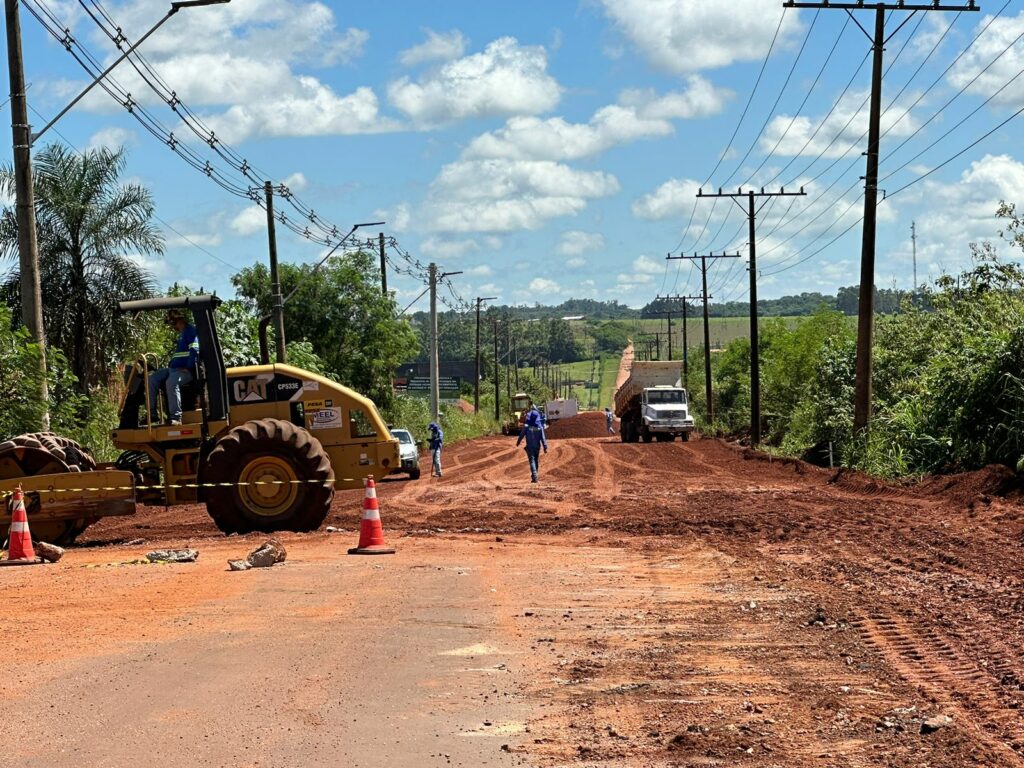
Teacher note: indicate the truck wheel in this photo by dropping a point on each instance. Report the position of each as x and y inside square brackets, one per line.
[646, 435]
[685, 437]
[277, 477]
[414, 474]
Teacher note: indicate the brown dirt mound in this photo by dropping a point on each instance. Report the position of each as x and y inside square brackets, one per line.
[591, 424]
[967, 487]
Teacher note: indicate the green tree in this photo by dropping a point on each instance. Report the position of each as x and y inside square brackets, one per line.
[89, 222]
[340, 311]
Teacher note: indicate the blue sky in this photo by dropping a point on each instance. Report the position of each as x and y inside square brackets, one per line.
[550, 150]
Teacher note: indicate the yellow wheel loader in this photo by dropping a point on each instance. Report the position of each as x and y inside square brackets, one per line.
[263, 446]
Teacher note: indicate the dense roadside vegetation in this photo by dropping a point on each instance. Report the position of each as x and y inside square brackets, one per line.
[948, 381]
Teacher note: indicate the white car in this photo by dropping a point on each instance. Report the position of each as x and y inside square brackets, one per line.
[408, 453]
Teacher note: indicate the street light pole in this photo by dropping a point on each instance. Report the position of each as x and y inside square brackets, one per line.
[265, 320]
[175, 7]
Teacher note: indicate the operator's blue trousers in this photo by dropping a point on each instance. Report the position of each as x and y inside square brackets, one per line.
[534, 456]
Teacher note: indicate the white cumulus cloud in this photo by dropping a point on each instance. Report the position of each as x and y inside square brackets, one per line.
[544, 285]
[575, 242]
[503, 79]
[249, 221]
[112, 138]
[243, 67]
[686, 37]
[641, 115]
[645, 265]
[439, 46]
[841, 134]
[673, 198]
[509, 195]
[1001, 34]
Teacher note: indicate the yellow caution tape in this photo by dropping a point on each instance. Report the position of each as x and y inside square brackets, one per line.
[94, 489]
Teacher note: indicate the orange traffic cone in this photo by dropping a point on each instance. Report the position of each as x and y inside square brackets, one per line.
[371, 532]
[19, 548]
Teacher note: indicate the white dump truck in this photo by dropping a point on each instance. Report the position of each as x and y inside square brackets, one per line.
[652, 404]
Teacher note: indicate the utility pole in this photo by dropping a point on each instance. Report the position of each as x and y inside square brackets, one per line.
[755, 344]
[383, 266]
[497, 380]
[476, 390]
[25, 206]
[913, 240]
[515, 360]
[435, 365]
[508, 357]
[435, 373]
[666, 314]
[707, 330]
[866, 302]
[276, 299]
[683, 302]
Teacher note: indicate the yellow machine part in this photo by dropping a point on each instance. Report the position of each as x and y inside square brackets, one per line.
[347, 424]
[72, 495]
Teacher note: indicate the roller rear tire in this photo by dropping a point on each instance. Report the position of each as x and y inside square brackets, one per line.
[277, 477]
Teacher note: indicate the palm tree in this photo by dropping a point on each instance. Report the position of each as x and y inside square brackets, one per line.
[90, 227]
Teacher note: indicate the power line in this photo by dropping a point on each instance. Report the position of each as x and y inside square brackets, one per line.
[736, 130]
[154, 214]
[785, 220]
[771, 112]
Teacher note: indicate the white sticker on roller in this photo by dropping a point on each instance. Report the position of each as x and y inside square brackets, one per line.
[311, 386]
[327, 418]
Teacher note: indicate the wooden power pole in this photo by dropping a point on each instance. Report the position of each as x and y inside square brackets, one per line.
[703, 259]
[24, 201]
[755, 345]
[476, 389]
[866, 302]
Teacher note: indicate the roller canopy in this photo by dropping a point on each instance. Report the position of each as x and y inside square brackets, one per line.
[171, 302]
[210, 354]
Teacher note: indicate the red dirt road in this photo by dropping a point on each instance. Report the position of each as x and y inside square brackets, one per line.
[644, 605]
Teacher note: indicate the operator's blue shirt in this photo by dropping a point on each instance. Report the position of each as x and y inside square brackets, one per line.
[436, 437]
[534, 437]
[186, 352]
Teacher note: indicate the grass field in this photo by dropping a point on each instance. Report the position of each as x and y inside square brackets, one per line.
[602, 371]
[722, 330]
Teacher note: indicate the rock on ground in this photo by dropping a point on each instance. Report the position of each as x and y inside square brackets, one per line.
[51, 553]
[271, 552]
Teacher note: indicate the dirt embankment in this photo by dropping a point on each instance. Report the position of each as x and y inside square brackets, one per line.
[589, 424]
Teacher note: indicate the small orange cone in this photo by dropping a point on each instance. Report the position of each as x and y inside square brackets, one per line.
[371, 532]
[19, 548]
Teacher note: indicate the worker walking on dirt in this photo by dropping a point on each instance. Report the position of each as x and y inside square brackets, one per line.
[436, 443]
[609, 419]
[533, 433]
[179, 372]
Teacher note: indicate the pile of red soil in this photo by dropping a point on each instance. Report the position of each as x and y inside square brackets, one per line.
[589, 424]
[967, 487]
